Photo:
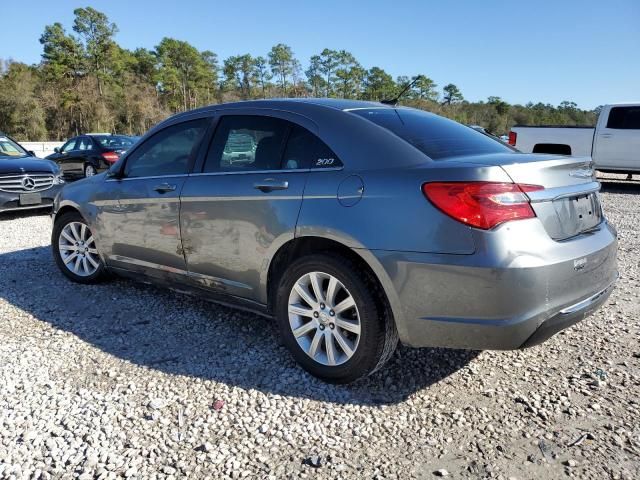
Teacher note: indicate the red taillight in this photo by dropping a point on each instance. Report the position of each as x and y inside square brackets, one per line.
[481, 204]
[111, 157]
[513, 137]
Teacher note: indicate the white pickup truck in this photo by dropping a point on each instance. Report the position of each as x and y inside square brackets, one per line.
[614, 144]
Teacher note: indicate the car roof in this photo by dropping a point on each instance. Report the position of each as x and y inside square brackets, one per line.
[295, 105]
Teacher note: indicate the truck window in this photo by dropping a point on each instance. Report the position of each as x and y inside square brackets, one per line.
[624, 118]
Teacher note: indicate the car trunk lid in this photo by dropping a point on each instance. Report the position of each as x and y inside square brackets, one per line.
[569, 203]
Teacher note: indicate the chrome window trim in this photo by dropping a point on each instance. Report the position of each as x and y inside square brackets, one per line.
[124, 179]
[243, 172]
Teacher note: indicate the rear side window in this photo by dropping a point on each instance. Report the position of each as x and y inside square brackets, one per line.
[305, 150]
[84, 143]
[245, 143]
[251, 142]
[624, 118]
[437, 137]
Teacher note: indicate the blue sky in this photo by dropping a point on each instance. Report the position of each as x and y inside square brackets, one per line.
[549, 51]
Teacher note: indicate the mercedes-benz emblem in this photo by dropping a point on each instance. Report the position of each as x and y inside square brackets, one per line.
[28, 183]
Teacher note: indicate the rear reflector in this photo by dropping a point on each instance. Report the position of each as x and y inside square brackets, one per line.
[513, 137]
[481, 204]
[111, 157]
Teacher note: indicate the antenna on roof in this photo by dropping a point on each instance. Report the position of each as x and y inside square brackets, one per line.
[394, 101]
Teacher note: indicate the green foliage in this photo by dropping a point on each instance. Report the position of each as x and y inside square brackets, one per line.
[86, 81]
[452, 94]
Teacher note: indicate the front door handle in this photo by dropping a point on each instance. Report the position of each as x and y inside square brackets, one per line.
[164, 188]
[605, 135]
[271, 184]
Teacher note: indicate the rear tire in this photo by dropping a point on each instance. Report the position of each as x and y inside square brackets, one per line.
[90, 171]
[334, 341]
[74, 250]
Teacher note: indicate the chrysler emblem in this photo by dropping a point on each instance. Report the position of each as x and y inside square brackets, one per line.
[28, 183]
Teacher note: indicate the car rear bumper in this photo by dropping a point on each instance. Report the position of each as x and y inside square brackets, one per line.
[11, 201]
[517, 290]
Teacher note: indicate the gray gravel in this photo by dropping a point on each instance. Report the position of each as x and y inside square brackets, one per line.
[128, 380]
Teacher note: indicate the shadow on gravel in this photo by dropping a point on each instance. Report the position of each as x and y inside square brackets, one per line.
[15, 214]
[182, 335]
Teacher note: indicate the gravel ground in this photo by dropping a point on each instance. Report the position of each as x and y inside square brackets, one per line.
[128, 380]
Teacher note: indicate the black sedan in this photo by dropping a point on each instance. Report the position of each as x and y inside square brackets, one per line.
[87, 155]
[26, 182]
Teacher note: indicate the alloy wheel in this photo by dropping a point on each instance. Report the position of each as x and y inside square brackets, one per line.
[324, 318]
[90, 171]
[78, 250]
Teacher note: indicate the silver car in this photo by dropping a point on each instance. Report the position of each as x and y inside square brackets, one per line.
[353, 225]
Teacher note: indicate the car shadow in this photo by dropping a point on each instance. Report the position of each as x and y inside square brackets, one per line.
[15, 214]
[183, 335]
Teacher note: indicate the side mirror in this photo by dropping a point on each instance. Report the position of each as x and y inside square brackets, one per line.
[56, 150]
[114, 172]
[32, 153]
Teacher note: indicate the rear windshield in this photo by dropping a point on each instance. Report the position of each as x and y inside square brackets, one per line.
[116, 141]
[435, 136]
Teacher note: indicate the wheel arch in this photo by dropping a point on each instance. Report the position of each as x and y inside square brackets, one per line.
[65, 207]
[306, 245]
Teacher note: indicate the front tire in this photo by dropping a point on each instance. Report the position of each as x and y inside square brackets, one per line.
[74, 249]
[332, 319]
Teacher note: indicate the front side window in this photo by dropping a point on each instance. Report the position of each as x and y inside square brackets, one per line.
[70, 145]
[245, 143]
[624, 118]
[435, 136]
[168, 152]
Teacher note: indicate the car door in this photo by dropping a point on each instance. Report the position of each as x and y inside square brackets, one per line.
[79, 157]
[146, 237]
[617, 145]
[63, 156]
[243, 204]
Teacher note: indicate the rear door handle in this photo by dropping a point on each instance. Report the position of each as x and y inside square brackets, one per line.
[605, 135]
[271, 184]
[164, 188]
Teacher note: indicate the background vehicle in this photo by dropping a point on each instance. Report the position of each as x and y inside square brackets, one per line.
[26, 182]
[481, 129]
[87, 155]
[614, 144]
[353, 224]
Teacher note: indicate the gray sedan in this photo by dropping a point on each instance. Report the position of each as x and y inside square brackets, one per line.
[352, 224]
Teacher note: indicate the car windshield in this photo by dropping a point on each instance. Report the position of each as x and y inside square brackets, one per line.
[116, 141]
[437, 137]
[10, 149]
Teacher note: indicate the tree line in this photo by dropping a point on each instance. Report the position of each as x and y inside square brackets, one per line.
[86, 82]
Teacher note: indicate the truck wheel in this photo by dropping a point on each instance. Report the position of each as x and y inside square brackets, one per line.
[331, 318]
